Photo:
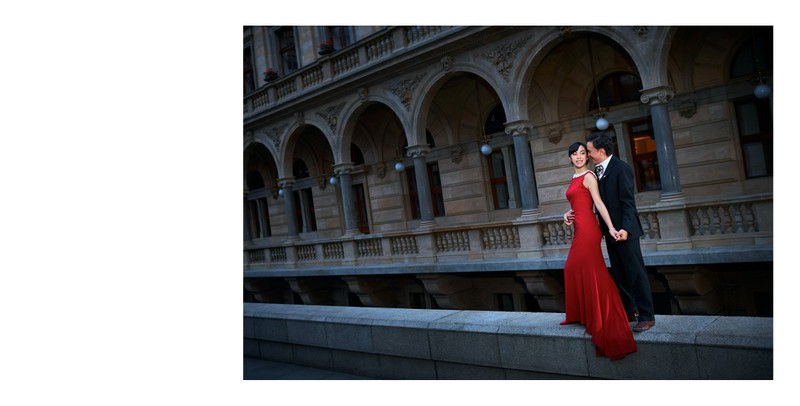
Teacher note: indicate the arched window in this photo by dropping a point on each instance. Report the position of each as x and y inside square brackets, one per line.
[616, 88]
[495, 122]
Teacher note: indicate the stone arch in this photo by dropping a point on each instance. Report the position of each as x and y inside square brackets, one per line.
[314, 157]
[351, 118]
[432, 87]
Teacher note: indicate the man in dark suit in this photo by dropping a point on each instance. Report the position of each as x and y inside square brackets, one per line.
[625, 254]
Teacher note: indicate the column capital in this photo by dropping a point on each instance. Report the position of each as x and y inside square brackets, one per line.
[519, 127]
[418, 151]
[339, 169]
[286, 183]
[657, 95]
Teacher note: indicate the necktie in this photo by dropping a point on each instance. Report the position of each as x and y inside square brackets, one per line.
[598, 170]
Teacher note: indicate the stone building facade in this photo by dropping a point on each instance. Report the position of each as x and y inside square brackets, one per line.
[426, 167]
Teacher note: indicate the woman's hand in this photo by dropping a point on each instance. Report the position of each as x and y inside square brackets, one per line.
[569, 217]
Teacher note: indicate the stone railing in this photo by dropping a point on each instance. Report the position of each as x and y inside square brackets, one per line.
[703, 225]
[353, 58]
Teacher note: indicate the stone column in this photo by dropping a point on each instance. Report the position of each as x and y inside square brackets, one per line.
[246, 225]
[342, 171]
[522, 152]
[288, 198]
[418, 153]
[657, 98]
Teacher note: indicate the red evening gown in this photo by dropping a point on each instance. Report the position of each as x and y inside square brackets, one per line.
[591, 297]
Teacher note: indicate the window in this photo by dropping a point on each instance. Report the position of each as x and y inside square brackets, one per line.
[304, 214]
[287, 49]
[616, 88]
[754, 117]
[249, 72]
[437, 199]
[498, 180]
[361, 208]
[339, 36]
[257, 208]
[645, 161]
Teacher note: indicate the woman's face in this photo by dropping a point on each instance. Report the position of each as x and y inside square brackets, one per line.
[579, 157]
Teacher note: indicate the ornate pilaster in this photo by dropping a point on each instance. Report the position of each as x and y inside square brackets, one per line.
[658, 99]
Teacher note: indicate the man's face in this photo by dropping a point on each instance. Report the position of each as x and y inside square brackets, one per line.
[596, 155]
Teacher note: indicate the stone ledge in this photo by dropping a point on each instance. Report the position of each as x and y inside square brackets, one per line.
[514, 343]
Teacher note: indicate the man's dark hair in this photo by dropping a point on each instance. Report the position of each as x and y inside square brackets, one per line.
[601, 141]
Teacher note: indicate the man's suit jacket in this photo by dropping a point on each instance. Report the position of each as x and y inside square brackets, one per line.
[617, 191]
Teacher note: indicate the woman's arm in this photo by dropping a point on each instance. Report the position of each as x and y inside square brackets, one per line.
[590, 182]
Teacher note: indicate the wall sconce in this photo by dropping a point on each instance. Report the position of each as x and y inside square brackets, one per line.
[281, 192]
[333, 181]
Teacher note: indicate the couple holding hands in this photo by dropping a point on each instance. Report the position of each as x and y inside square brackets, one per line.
[605, 305]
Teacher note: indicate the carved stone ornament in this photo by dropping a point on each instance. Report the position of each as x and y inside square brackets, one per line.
[554, 134]
[275, 135]
[447, 63]
[363, 93]
[640, 30]
[299, 117]
[405, 89]
[418, 151]
[518, 128]
[331, 115]
[687, 108]
[248, 137]
[657, 95]
[504, 55]
[380, 169]
[456, 154]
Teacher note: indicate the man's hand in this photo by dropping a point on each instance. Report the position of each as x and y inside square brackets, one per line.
[622, 236]
[569, 217]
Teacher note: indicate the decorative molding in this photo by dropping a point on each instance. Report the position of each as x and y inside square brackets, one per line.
[380, 169]
[641, 31]
[299, 117]
[554, 134]
[418, 151]
[331, 115]
[518, 128]
[248, 137]
[405, 89]
[447, 63]
[566, 32]
[340, 169]
[363, 93]
[657, 95]
[504, 55]
[275, 135]
[456, 154]
[687, 108]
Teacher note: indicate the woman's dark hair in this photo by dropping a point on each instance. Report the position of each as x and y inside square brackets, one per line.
[574, 147]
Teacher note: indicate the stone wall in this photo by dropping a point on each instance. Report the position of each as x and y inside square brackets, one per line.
[452, 344]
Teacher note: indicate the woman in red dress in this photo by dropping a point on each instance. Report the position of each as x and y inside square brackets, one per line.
[591, 297]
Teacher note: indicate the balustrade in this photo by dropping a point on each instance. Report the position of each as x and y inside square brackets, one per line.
[347, 60]
[728, 223]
